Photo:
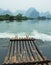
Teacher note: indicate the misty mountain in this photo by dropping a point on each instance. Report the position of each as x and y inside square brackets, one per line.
[4, 12]
[1, 11]
[19, 11]
[7, 12]
[46, 14]
[32, 13]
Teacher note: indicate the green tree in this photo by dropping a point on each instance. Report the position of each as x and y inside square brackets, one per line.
[6, 17]
[11, 18]
[19, 17]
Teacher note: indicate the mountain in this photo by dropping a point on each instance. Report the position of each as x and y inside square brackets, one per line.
[7, 12]
[32, 13]
[1, 11]
[19, 11]
[4, 12]
[46, 14]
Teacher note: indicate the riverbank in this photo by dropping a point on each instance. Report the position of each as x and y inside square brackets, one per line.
[17, 17]
[20, 17]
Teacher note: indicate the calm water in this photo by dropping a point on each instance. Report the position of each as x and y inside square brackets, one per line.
[25, 26]
[38, 29]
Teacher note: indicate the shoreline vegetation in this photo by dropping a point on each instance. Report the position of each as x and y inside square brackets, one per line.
[11, 17]
[21, 17]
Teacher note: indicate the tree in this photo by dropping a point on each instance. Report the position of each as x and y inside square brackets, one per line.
[19, 17]
[6, 17]
[11, 18]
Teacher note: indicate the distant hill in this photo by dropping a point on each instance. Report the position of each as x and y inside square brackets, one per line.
[46, 14]
[4, 12]
[19, 12]
[1, 11]
[32, 13]
[7, 12]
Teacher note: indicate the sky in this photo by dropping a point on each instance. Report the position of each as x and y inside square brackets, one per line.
[13, 5]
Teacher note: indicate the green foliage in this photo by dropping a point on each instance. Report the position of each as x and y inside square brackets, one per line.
[8, 17]
[11, 17]
[20, 17]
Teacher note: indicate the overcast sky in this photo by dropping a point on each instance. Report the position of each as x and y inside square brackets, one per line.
[13, 5]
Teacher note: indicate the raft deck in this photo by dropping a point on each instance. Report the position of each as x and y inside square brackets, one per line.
[24, 52]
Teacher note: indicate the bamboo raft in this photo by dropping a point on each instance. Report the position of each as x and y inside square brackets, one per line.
[24, 51]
